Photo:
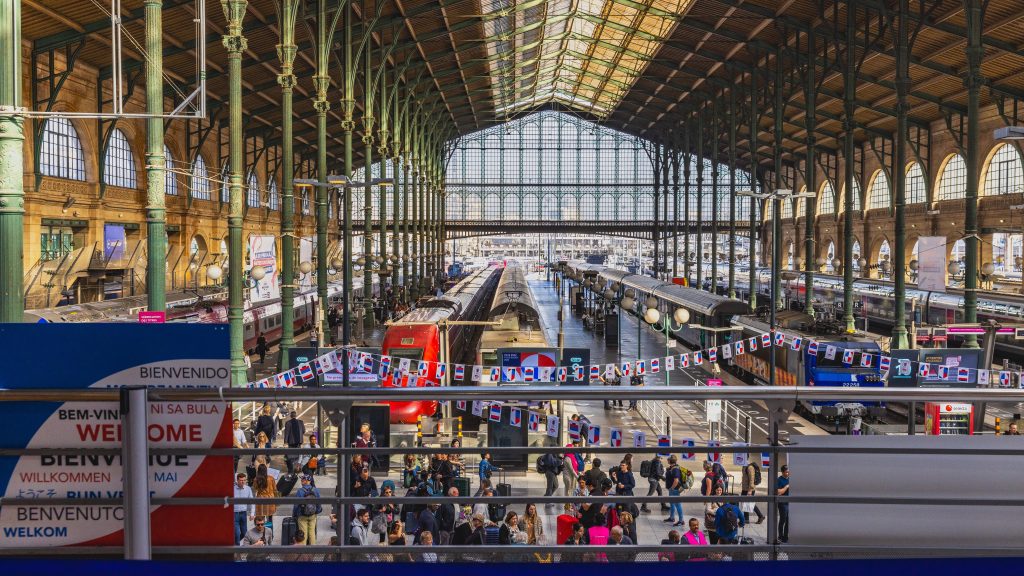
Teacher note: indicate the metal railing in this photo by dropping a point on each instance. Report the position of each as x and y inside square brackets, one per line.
[137, 501]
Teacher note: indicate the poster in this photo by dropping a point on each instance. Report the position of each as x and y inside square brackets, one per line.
[525, 358]
[165, 356]
[114, 241]
[931, 263]
[263, 252]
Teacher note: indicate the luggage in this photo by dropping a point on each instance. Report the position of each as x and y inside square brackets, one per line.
[496, 512]
[564, 525]
[491, 535]
[287, 483]
[503, 488]
[645, 469]
[461, 534]
[462, 484]
[412, 523]
[730, 484]
[288, 529]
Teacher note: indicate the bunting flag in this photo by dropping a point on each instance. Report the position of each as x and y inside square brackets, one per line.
[752, 343]
[495, 374]
[515, 417]
[339, 360]
[797, 342]
[923, 369]
[424, 368]
[512, 374]
[766, 340]
[1004, 379]
[609, 370]
[306, 372]
[577, 373]
[546, 374]
[285, 379]
[626, 369]
[670, 363]
[385, 365]
[478, 408]
[655, 365]
[639, 439]
[766, 460]
[411, 380]
[574, 430]
[688, 443]
[439, 371]
[714, 456]
[684, 360]
[478, 373]
[616, 438]
[460, 372]
[366, 362]
[495, 413]
[884, 362]
[984, 378]
[698, 358]
[780, 338]
[865, 360]
[739, 458]
[641, 367]
[739, 348]
[812, 348]
[533, 421]
[830, 352]
[265, 383]
[595, 372]
[943, 373]
[461, 405]
[563, 373]
[726, 351]
[594, 435]
[325, 364]
[529, 373]
[664, 441]
[404, 364]
[963, 375]
[848, 357]
[712, 354]
[904, 367]
[553, 426]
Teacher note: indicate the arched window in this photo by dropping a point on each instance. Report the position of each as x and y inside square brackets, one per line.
[787, 208]
[200, 181]
[878, 194]
[274, 196]
[225, 185]
[1005, 174]
[884, 255]
[60, 154]
[119, 164]
[252, 186]
[953, 183]
[170, 178]
[827, 199]
[857, 206]
[915, 189]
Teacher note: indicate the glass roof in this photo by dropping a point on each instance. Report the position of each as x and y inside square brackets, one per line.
[585, 54]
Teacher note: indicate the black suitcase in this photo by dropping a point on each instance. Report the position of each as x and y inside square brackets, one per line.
[462, 484]
[288, 529]
[504, 488]
[286, 484]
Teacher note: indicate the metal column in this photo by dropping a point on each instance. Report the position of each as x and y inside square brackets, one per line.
[700, 199]
[810, 208]
[849, 109]
[286, 79]
[156, 163]
[780, 110]
[752, 246]
[973, 10]
[135, 472]
[899, 258]
[732, 192]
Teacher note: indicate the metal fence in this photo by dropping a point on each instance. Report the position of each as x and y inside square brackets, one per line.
[137, 501]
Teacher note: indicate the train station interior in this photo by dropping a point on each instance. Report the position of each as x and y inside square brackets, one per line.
[432, 272]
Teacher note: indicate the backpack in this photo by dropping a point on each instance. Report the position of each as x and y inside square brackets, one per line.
[757, 474]
[706, 490]
[720, 472]
[687, 478]
[645, 469]
[730, 522]
[673, 473]
[541, 468]
[658, 470]
[408, 478]
[310, 509]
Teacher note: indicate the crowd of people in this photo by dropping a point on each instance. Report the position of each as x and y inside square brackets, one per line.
[582, 522]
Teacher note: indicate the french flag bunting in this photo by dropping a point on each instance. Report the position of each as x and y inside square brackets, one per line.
[410, 381]
[306, 372]
[712, 354]
[726, 351]
[639, 439]
[595, 372]
[626, 368]
[688, 443]
[812, 348]
[739, 348]
[923, 369]
[714, 456]
[766, 340]
[512, 374]
[478, 408]
[460, 372]
[495, 374]
[884, 362]
[984, 377]
[495, 413]
[670, 363]
[439, 370]
[594, 435]
[554, 425]
[780, 338]
[1004, 379]
[752, 342]
[533, 421]
[285, 379]
[615, 441]
[385, 365]
[461, 405]
[943, 372]
[366, 364]
[563, 373]
[698, 358]
[574, 430]
[797, 342]
[250, 385]
[404, 364]
[865, 359]
[325, 363]
[963, 374]
[684, 360]
[847, 356]
[641, 367]
[904, 367]
[529, 373]
[515, 417]
[609, 370]
[424, 368]
[830, 352]
[547, 373]
[578, 373]
[655, 365]
[478, 373]
[265, 383]
[766, 459]
[664, 441]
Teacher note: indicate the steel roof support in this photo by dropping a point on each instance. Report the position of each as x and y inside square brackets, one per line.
[286, 51]
[849, 110]
[156, 209]
[902, 41]
[810, 204]
[732, 193]
[975, 12]
[12, 159]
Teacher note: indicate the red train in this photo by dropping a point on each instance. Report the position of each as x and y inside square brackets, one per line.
[417, 336]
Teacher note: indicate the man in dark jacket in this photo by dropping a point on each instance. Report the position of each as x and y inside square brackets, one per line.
[551, 466]
[265, 424]
[445, 516]
[654, 478]
[364, 486]
[595, 475]
[428, 522]
[294, 430]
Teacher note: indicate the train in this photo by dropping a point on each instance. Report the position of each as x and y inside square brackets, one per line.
[418, 336]
[517, 329]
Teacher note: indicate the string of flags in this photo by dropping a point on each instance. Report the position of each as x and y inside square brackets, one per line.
[404, 372]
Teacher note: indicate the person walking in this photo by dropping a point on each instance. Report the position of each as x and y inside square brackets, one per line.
[306, 514]
[294, 430]
[674, 483]
[751, 478]
[728, 520]
[261, 347]
[551, 465]
[243, 512]
[485, 471]
[654, 478]
[711, 515]
[265, 424]
[573, 463]
[782, 489]
[264, 486]
[238, 439]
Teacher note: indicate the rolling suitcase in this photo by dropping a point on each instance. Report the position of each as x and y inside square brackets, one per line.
[504, 488]
[462, 484]
[286, 484]
[288, 529]
[491, 535]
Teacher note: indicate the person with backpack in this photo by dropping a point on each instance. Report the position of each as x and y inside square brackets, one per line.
[655, 475]
[751, 480]
[572, 464]
[728, 520]
[595, 475]
[711, 480]
[711, 516]
[486, 469]
[551, 467]
[674, 482]
[306, 514]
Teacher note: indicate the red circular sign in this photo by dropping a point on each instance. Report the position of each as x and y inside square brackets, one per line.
[949, 408]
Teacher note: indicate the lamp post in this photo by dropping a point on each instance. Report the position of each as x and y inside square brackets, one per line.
[681, 316]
